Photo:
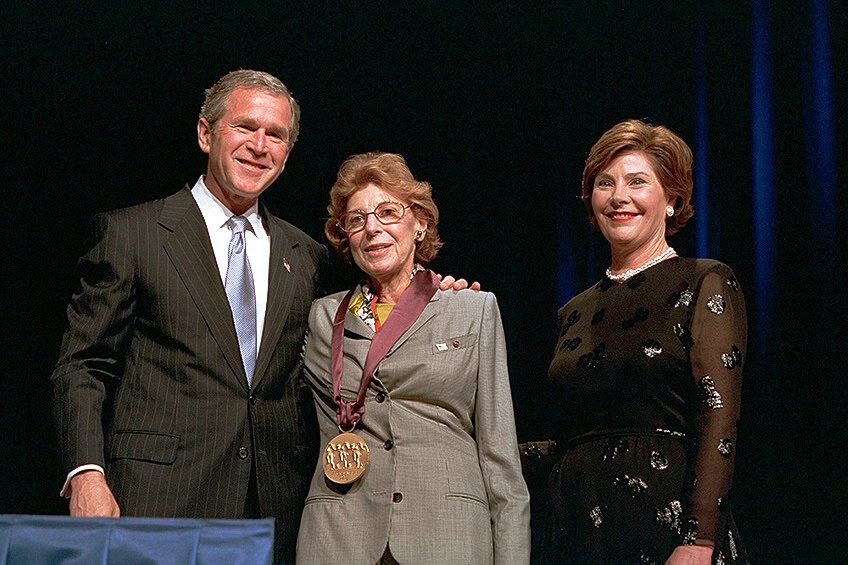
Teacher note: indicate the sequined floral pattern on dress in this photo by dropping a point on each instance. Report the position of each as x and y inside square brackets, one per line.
[658, 461]
[716, 304]
[708, 393]
[597, 516]
[732, 359]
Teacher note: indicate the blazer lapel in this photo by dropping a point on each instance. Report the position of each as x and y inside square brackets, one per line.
[281, 287]
[354, 323]
[356, 326]
[190, 250]
[430, 311]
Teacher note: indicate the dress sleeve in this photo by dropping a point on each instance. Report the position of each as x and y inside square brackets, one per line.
[497, 446]
[719, 332]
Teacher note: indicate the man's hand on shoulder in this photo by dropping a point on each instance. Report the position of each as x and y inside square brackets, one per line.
[449, 282]
[91, 496]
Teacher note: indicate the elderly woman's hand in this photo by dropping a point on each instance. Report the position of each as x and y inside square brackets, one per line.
[456, 284]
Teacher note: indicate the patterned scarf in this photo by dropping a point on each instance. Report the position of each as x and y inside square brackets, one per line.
[364, 304]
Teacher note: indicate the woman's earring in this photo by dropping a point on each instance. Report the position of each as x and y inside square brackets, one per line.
[669, 211]
[419, 235]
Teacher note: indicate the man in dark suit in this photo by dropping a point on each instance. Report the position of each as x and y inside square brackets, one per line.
[173, 398]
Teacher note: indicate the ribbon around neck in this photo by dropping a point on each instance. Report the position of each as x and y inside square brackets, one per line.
[412, 302]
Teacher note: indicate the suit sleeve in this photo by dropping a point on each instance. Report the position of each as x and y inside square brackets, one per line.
[92, 356]
[509, 501]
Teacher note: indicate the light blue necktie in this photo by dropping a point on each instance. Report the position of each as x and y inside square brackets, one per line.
[242, 294]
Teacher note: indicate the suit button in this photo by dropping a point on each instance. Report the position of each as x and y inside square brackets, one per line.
[397, 497]
[242, 453]
[381, 396]
[388, 444]
[253, 400]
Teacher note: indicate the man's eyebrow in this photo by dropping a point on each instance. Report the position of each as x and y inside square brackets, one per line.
[247, 120]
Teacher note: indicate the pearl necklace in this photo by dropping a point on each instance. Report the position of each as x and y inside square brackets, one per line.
[630, 272]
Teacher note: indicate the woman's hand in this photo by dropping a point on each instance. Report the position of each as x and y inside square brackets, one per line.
[690, 555]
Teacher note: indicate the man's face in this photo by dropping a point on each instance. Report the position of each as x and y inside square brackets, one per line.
[248, 146]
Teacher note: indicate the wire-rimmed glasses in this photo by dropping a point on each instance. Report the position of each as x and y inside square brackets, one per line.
[388, 212]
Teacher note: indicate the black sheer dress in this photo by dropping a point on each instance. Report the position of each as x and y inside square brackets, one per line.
[646, 378]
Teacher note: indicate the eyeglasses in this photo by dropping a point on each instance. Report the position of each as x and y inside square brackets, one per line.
[386, 213]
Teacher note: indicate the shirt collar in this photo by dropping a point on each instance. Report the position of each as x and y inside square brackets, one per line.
[215, 214]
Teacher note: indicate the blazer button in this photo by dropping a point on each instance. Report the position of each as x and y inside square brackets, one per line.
[253, 400]
[388, 444]
[397, 497]
[381, 396]
[242, 453]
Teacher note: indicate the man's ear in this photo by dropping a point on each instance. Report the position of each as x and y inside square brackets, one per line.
[288, 153]
[204, 135]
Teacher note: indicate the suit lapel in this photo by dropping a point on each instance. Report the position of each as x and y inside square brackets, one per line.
[281, 287]
[430, 311]
[190, 250]
[354, 323]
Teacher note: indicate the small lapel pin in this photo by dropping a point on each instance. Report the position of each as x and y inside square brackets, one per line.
[442, 346]
[286, 265]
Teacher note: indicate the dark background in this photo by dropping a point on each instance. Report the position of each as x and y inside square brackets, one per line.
[496, 104]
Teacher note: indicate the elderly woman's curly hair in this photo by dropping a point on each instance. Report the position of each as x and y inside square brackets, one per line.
[389, 172]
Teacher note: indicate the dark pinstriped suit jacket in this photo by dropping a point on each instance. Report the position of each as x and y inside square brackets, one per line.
[150, 382]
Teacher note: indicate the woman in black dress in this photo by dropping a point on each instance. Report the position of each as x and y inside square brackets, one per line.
[646, 374]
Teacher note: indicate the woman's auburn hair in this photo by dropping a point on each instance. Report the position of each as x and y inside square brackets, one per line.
[669, 155]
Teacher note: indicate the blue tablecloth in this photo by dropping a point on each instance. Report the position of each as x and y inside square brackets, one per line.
[62, 539]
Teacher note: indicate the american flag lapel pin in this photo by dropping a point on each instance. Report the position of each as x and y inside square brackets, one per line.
[286, 265]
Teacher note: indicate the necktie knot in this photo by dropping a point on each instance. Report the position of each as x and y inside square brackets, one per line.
[238, 224]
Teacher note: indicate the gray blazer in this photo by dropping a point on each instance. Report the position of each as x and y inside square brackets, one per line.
[444, 483]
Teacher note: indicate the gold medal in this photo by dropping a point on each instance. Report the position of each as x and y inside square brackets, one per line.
[345, 458]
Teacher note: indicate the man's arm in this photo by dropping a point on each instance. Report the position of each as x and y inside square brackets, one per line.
[100, 317]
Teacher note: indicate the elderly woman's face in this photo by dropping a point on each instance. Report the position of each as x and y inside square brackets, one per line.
[629, 202]
[383, 251]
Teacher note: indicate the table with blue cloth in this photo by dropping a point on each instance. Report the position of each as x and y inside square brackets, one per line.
[62, 539]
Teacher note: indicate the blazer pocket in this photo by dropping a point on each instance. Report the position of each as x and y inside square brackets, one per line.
[144, 446]
[322, 498]
[454, 343]
[467, 498]
[462, 487]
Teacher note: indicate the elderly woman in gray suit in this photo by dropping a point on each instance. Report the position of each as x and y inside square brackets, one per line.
[419, 461]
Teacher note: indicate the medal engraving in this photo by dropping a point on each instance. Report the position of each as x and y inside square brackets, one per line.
[345, 458]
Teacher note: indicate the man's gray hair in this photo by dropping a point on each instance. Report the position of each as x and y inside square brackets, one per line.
[217, 97]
